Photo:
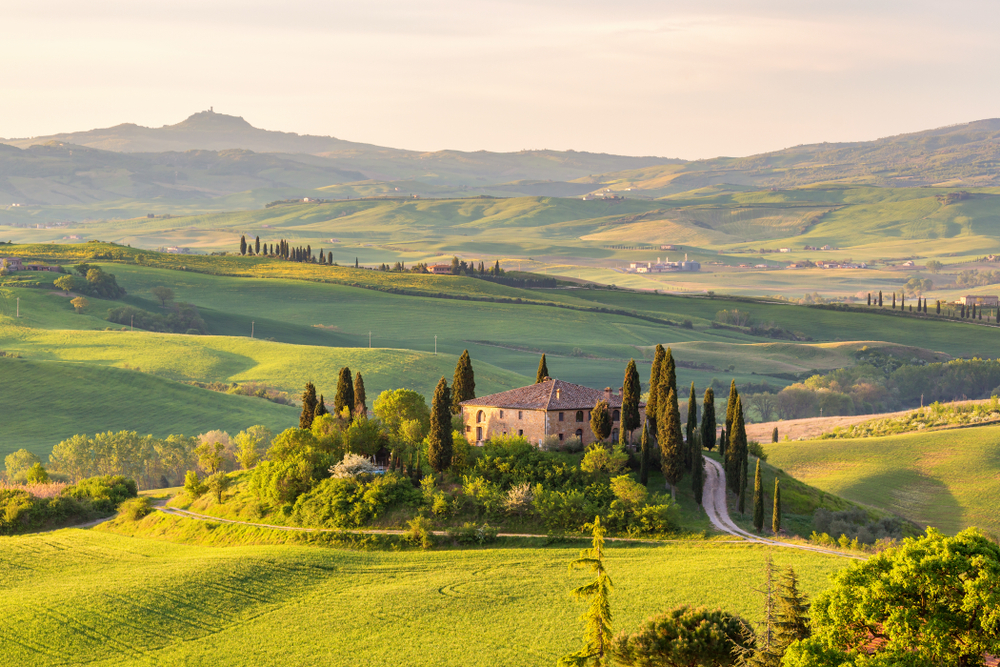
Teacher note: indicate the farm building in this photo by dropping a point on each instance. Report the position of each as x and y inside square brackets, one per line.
[549, 408]
[988, 301]
[11, 263]
[440, 269]
[40, 267]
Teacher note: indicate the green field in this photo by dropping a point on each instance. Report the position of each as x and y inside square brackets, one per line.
[97, 598]
[947, 479]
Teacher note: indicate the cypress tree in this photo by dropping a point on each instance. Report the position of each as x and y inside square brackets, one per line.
[463, 386]
[654, 388]
[322, 257]
[630, 403]
[697, 469]
[894, 301]
[256, 246]
[644, 455]
[938, 308]
[743, 490]
[321, 407]
[758, 500]
[736, 448]
[869, 298]
[670, 368]
[543, 370]
[671, 441]
[243, 245]
[880, 298]
[345, 394]
[731, 408]
[600, 421]
[360, 400]
[356, 263]
[902, 300]
[439, 442]
[973, 311]
[308, 406]
[708, 420]
[774, 434]
[692, 427]
[723, 442]
[776, 514]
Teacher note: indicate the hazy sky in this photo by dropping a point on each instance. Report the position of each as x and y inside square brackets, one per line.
[676, 79]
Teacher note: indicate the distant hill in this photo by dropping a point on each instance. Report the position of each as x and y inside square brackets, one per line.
[209, 131]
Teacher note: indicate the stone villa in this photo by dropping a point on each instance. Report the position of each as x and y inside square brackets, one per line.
[552, 407]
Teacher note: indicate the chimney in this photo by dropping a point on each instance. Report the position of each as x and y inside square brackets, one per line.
[621, 391]
[607, 394]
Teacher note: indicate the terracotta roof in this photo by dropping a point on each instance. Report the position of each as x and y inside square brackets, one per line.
[548, 395]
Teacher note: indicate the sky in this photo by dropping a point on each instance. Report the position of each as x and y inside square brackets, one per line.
[634, 77]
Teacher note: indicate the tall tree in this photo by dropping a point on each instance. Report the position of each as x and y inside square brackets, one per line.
[631, 390]
[543, 370]
[670, 368]
[439, 440]
[894, 301]
[308, 406]
[708, 420]
[256, 246]
[654, 388]
[671, 441]
[697, 470]
[776, 514]
[644, 454]
[791, 611]
[360, 400]
[243, 245]
[463, 386]
[600, 421]
[321, 407]
[743, 490]
[344, 397]
[758, 500]
[869, 298]
[597, 619]
[880, 298]
[736, 448]
[774, 434]
[731, 408]
[692, 427]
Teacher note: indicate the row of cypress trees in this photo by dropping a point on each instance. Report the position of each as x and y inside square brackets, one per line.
[964, 312]
[447, 402]
[283, 250]
[348, 402]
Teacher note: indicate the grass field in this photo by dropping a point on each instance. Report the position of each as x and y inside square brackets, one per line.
[946, 479]
[97, 598]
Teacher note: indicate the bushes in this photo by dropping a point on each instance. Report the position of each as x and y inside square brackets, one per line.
[134, 509]
[21, 512]
[104, 493]
[354, 502]
[855, 524]
[514, 461]
[471, 533]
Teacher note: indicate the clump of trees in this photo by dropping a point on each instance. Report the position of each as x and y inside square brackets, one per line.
[183, 318]
[92, 281]
[22, 512]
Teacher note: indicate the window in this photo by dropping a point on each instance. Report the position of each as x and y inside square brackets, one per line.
[616, 416]
[560, 436]
[480, 417]
[579, 415]
[468, 429]
[562, 416]
[479, 433]
[501, 414]
[579, 433]
[520, 431]
[520, 415]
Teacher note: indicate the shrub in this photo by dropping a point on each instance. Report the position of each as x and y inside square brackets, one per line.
[517, 462]
[282, 481]
[420, 532]
[518, 499]
[218, 484]
[601, 460]
[562, 510]
[36, 475]
[757, 449]
[351, 502]
[104, 493]
[352, 466]
[472, 533]
[193, 485]
[681, 636]
[134, 509]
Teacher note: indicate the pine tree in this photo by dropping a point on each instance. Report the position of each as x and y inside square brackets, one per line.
[320, 408]
[654, 388]
[597, 619]
[463, 386]
[360, 400]
[776, 514]
[670, 368]
[708, 420]
[256, 245]
[543, 370]
[308, 406]
[697, 470]
[758, 500]
[692, 427]
[439, 441]
[600, 421]
[880, 298]
[630, 403]
[243, 245]
[671, 441]
[791, 612]
[644, 455]
[344, 399]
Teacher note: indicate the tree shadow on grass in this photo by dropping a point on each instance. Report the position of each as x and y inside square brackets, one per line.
[911, 495]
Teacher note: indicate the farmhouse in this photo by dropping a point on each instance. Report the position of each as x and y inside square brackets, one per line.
[988, 301]
[11, 263]
[440, 269]
[549, 408]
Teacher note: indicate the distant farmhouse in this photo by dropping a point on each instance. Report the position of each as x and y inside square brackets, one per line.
[663, 267]
[549, 408]
[440, 269]
[16, 264]
[987, 301]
